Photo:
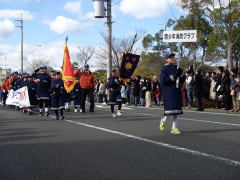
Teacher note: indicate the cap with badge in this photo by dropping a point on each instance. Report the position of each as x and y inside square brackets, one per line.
[43, 67]
[169, 55]
[57, 73]
[113, 70]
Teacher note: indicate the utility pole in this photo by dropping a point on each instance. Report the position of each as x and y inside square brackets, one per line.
[21, 27]
[102, 12]
[109, 36]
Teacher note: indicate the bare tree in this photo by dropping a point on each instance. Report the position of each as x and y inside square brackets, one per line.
[36, 64]
[84, 55]
[119, 47]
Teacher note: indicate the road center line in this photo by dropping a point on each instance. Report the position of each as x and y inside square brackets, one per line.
[186, 119]
[169, 146]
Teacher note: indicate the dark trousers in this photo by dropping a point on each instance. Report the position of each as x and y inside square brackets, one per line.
[5, 97]
[46, 101]
[119, 106]
[227, 100]
[199, 103]
[84, 94]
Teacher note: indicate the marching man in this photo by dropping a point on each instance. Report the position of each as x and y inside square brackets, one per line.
[58, 95]
[170, 79]
[114, 87]
[43, 81]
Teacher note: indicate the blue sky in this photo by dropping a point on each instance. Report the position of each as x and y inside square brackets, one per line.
[47, 22]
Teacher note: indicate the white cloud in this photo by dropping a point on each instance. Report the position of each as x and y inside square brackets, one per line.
[145, 8]
[62, 24]
[73, 7]
[7, 13]
[6, 28]
[50, 52]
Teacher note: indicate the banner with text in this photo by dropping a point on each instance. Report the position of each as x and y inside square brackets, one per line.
[18, 98]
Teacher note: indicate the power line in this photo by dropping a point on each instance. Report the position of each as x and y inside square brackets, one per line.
[116, 4]
[38, 7]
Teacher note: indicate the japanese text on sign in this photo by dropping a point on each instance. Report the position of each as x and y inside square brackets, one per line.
[180, 36]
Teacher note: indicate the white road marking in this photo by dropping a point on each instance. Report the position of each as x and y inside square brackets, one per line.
[165, 145]
[198, 112]
[127, 108]
[105, 107]
[213, 122]
[197, 120]
[222, 114]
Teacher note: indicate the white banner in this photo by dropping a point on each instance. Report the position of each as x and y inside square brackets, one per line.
[18, 98]
[180, 36]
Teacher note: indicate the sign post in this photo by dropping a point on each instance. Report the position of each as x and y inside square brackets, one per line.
[179, 37]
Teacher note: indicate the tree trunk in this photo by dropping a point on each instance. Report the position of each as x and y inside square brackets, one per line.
[204, 56]
[229, 55]
[194, 54]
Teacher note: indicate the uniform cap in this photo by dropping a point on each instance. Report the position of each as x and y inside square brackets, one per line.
[113, 70]
[169, 55]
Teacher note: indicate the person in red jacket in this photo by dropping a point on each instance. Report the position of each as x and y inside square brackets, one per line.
[5, 90]
[158, 95]
[86, 80]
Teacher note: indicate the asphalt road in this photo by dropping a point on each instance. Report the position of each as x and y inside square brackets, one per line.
[94, 146]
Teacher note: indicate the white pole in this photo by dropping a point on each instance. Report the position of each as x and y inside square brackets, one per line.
[109, 36]
[179, 54]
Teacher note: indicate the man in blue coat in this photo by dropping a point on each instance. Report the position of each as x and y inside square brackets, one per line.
[32, 88]
[170, 83]
[43, 81]
[58, 96]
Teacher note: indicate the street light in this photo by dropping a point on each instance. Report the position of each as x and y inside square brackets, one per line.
[99, 9]
[101, 12]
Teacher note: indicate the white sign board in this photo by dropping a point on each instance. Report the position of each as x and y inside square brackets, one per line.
[18, 98]
[180, 36]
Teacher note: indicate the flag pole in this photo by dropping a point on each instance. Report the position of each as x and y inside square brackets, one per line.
[66, 39]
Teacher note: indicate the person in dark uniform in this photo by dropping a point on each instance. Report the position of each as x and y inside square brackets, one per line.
[22, 84]
[32, 93]
[198, 89]
[114, 88]
[58, 94]
[219, 87]
[170, 83]
[15, 80]
[76, 96]
[43, 81]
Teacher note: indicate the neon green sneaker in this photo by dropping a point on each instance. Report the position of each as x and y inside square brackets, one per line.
[175, 131]
[162, 125]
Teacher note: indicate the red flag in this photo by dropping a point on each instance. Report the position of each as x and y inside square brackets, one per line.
[67, 72]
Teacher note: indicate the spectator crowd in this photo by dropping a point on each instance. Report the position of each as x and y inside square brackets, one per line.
[220, 89]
